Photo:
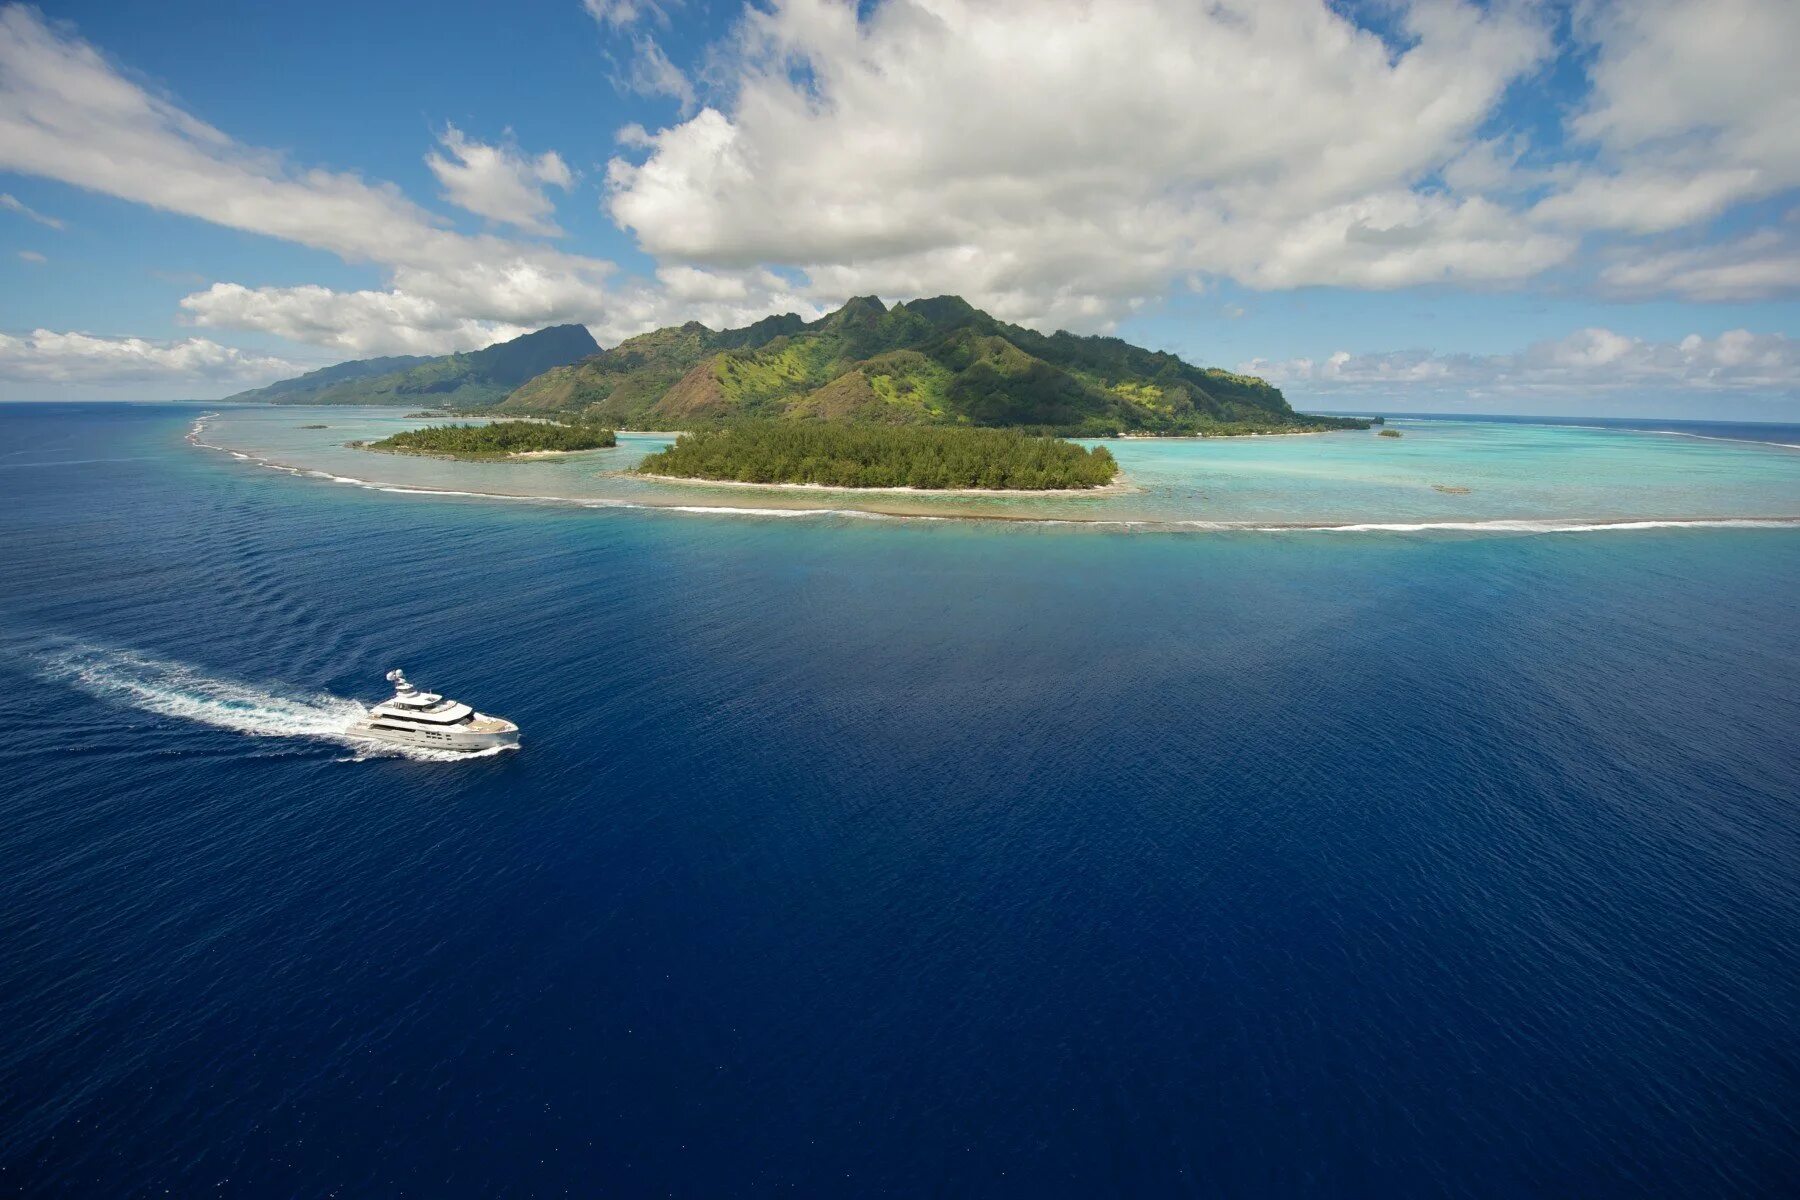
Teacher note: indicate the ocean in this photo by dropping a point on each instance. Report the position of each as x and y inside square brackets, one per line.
[852, 854]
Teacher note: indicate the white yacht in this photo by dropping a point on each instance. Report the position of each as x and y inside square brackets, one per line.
[416, 718]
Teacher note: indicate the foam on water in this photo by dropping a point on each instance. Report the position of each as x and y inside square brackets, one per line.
[1168, 524]
[1506, 525]
[173, 689]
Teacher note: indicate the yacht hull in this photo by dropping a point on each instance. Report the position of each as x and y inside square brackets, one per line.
[459, 740]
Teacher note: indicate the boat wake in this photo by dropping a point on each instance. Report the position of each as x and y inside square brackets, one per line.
[172, 689]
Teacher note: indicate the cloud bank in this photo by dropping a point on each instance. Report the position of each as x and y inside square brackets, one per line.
[44, 356]
[940, 146]
[1586, 361]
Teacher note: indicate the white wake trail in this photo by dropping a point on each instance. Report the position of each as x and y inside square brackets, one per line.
[173, 689]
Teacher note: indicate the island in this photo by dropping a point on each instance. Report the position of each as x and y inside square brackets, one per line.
[497, 441]
[924, 458]
[935, 362]
[923, 394]
[1390, 433]
[451, 381]
[938, 361]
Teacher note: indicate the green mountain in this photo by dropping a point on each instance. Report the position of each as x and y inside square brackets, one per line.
[474, 380]
[926, 362]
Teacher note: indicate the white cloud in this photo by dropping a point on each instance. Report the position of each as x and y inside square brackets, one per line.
[1762, 265]
[32, 256]
[422, 315]
[618, 14]
[1693, 108]
[67, 114]
[652, 74]
[44, 356]
[13, 204]
[1645, 199]
[500, 182]
[1088, 154]
[361, 323]
[1586, 361]
[648, 71]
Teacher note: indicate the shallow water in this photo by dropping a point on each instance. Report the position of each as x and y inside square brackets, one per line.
[858, 857]
[1439, 471]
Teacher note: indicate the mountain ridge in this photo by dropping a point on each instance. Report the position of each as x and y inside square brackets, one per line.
[472, 379]
[931, 361]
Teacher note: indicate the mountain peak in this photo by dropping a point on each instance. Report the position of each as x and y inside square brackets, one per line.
[858, 310]
[934, 361]
[943, 311]
[468, 380]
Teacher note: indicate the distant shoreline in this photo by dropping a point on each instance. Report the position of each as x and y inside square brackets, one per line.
[514, 456]
[1213, 437]
[1116, 487]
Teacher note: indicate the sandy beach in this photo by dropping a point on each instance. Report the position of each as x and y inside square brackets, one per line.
[1117, 487]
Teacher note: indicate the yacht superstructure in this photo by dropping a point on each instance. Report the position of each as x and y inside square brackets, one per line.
[418, 718]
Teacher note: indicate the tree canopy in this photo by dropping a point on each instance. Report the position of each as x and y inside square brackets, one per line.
[871, 456]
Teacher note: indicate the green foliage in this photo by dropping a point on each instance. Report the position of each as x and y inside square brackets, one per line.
[464, 381]
[925, 362]
[496, 440]
[849, 455]
[1391, 433]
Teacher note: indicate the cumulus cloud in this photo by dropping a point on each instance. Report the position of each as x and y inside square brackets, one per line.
[13, 204]
[500, 182]
[425, 314]
[1692, 109]
[44, 356]
[67, 114]
[360, 323]
[1588, 360]
[938, 145]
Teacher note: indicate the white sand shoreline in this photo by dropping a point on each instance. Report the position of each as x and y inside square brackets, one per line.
[1210, 437]
[514, 456]
[1115, 488]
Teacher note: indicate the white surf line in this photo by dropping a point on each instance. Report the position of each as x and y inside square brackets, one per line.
[1709, 437]
[1145, 524]
[1534, 525]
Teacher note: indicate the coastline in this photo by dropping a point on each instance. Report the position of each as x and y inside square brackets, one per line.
[904, 508]
[1117, 487]
[1213, 437]
[514, 456]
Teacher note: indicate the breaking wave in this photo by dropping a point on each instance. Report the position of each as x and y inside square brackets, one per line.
[1498, 525]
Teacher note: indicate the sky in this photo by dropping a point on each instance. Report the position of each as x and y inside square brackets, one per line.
[1579, 208]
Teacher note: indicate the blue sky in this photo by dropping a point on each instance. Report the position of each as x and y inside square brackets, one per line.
[1583, 208]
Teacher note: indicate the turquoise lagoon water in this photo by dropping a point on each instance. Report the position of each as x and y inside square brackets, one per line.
[1441, 472]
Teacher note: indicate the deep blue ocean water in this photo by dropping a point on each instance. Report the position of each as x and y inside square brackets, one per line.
[850, 857]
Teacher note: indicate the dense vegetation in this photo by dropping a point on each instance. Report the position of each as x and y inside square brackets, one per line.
[464, 381]
[496, 440]
[1391, 433]
[846, 455]
[925, 362]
